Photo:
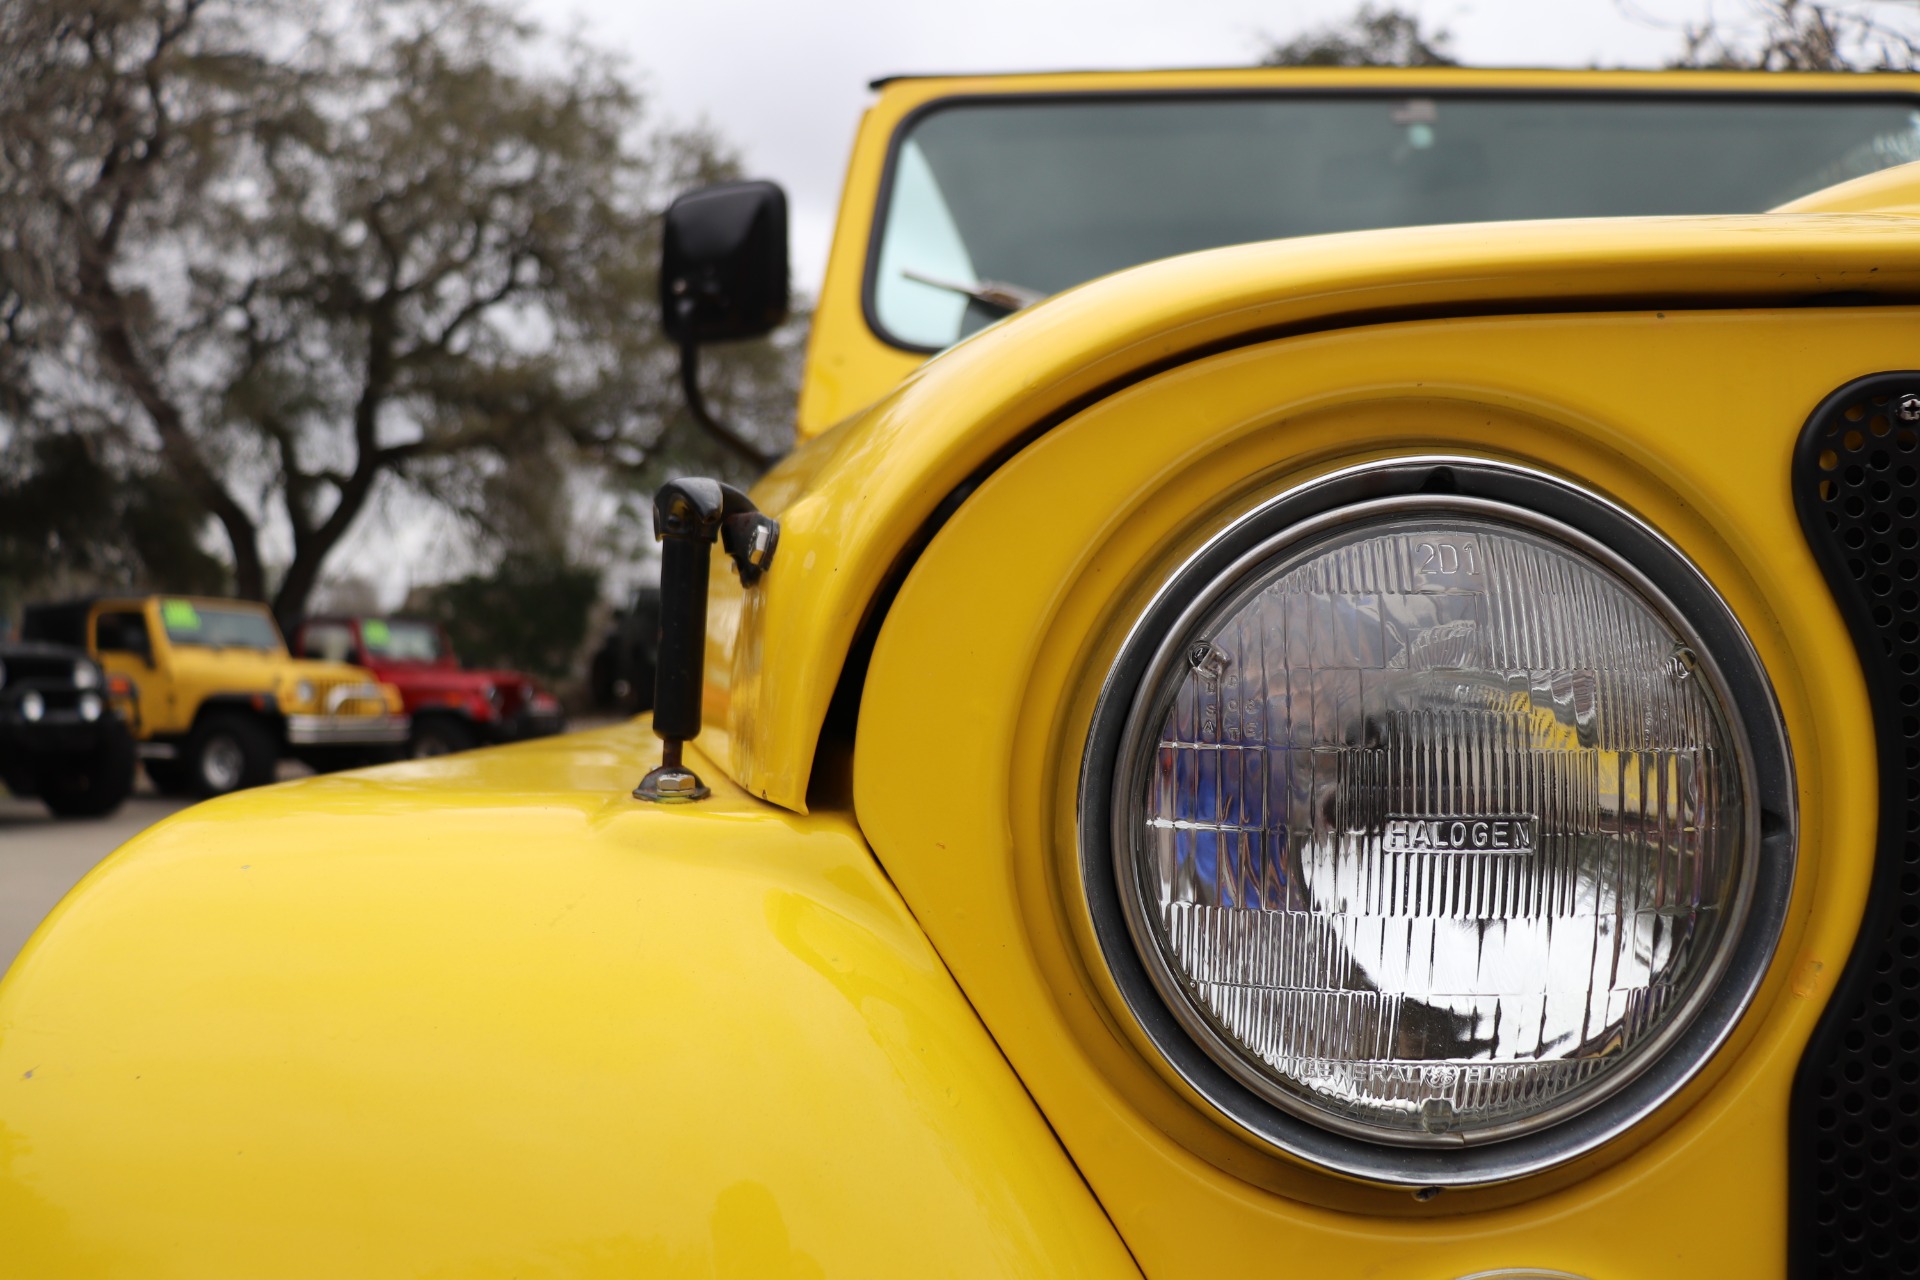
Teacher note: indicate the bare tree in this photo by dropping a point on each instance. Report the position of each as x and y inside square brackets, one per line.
[292, 252]
[1386, 36]
[1800, 35]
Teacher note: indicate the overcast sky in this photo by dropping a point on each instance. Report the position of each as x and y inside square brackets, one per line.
[785, 82]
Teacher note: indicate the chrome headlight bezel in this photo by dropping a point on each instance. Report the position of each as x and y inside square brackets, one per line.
[1620, 543]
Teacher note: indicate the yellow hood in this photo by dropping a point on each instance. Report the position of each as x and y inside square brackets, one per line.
[853, 502]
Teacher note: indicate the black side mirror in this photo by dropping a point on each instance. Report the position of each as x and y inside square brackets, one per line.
[723, 263]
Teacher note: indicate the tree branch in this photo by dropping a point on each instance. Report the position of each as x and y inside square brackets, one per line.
[104, 310]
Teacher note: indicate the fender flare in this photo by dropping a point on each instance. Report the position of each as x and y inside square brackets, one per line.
[529, 1024]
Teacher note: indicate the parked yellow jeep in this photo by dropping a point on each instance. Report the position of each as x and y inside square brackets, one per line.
[1251, 736]
[220, 699]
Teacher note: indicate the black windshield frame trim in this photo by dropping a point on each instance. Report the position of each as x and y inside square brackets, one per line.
[883, 197]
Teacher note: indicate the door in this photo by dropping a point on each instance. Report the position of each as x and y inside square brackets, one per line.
[124, 646]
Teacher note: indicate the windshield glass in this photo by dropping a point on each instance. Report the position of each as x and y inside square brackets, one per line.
[401, 641]
[219, 626]
[1039, 196]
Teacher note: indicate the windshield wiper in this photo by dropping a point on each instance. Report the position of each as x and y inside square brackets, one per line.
[1002, 297]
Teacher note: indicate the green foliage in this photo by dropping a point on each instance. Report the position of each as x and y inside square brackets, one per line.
[530, 614]
[1373, 37]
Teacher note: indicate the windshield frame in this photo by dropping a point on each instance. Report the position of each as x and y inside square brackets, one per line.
[1400, 90]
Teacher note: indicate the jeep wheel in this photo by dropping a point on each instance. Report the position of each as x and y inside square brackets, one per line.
[440, 736]
[95, 784]
[228, 753]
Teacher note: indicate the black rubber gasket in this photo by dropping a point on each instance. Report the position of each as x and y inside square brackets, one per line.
[1752, 704]
[1853, 1127]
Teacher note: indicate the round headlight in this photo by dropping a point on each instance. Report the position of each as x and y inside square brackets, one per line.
[32, 705]
[86, 676]
[1433, 823]
[303, 692]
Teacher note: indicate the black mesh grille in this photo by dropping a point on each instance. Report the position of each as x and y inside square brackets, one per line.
[1854, 1137]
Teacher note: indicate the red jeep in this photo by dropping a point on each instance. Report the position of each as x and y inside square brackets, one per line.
[452, 708]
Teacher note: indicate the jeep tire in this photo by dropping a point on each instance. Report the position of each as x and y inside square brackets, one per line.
[228, 752]
[92, 785]
[440, 735]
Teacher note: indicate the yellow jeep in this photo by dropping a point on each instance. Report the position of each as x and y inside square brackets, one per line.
[219, 699]
[1330, 690]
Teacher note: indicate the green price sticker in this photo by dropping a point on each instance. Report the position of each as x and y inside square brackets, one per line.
[376, 633]
[179, 615]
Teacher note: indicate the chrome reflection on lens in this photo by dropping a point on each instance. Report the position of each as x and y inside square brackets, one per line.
[1434, 824]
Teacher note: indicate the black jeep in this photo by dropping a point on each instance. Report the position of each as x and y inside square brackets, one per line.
[62, 737]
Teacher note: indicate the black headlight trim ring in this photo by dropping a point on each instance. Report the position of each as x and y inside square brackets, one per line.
[1751, 705]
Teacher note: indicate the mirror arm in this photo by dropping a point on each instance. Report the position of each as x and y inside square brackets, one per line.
[689, 516]
[697, 403]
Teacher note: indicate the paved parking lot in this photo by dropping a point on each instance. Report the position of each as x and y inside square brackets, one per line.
[41, 858]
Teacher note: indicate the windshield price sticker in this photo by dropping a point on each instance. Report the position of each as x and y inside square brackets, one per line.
[1506, 833]
[375, 632]
[179, 615]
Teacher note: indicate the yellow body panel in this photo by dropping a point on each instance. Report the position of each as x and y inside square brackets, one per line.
[967, 787]
[1895, 190]
[849, 367]
[489, 1016]
[181, 678]
[851, 501]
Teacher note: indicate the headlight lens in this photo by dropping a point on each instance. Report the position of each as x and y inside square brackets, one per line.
[86, 676]
[303, 692]
[1433, 827]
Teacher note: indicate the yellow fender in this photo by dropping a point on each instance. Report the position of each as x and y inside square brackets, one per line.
[535, 1028]
[974, 723]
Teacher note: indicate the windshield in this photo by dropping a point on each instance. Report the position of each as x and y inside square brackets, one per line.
[401, 641]
[219, 626]
[1037, 196]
